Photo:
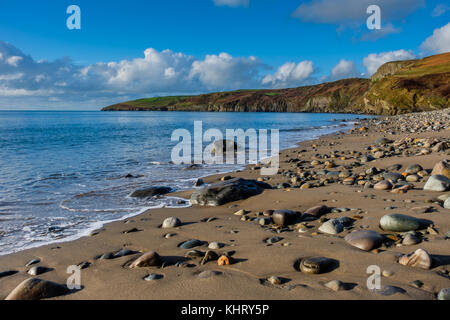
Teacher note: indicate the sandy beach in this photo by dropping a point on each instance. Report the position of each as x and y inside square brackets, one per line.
[340, 171]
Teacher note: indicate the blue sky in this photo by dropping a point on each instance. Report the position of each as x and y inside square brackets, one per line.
[196, 46]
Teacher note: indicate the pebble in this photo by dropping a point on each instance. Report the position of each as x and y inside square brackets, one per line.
[84, 265]
[419, 258]
[315, 265]
[414, 168]
[383, 185]
[275, 280]
[417, 284]
[169, 235]
[393, 176]
[123, 253]
[432, 231]
[411, 239]
[130, 231]
[31, 262]
[149, 259]
[335, 285]
[190, 244]
[412, 178]
[107, 256]
[209, 256]
[240, 212]
[171, 222]
[224, 261]
[37, 289]
[215, 245]
[35, 271]
[444, 294]
[447, 203]
[387, 273]
[153, 276]
[273, 240]
[442, 168]
[365, 240]
[437, 183]
[333, 226]
[265, 221]
[318, 211]
[284, 217]
[399, 223]
[268, 213]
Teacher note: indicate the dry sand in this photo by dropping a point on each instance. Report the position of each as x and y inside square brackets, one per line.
[254, 259]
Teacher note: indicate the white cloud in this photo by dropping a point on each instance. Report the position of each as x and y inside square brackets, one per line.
[232, 3]
[290, 74]
[344, 69]
[156, 73]
[439, 10]
[224, 71]
[10, 77]
[439, 42]
[14, 60]
[374, 60]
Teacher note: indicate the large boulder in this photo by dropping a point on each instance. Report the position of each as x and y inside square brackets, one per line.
[151, 192]
[37, 289]
[228, 191]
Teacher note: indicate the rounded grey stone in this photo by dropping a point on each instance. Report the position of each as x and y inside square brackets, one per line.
[333, 226]
[444, 294]
[171, 222]
[399, 223]
[437, 183]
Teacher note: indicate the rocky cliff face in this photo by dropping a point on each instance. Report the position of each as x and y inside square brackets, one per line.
[391, 68]
[410, 86]
[396, 88]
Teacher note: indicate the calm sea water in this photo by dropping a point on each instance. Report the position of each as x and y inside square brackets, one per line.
[62, 174]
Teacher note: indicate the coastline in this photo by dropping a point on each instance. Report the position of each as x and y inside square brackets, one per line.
[340, 125]
[245, 278]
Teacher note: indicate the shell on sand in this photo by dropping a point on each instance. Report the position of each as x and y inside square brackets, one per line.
[419, 258]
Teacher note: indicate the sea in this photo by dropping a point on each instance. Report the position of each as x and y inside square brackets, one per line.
[66, 173]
